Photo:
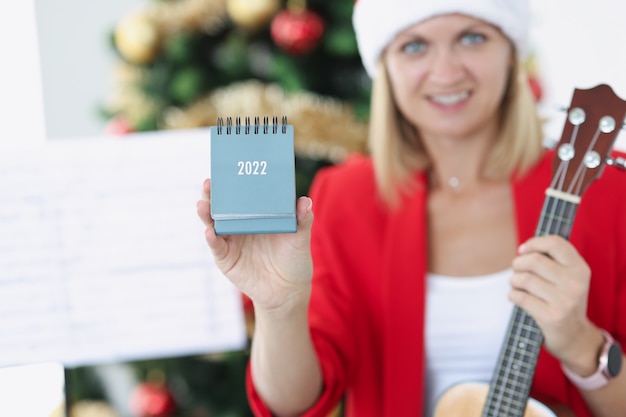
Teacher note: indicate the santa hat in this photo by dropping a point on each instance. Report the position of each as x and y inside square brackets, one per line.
[376, 22]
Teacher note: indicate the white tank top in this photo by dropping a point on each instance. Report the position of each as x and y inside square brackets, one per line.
[466, 320]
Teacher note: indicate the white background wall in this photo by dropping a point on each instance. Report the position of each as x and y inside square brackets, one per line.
[578, 42]
[77, 61]
[21, 106]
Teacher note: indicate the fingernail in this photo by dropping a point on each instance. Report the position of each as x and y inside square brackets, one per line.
[309, 207]
[521, 248]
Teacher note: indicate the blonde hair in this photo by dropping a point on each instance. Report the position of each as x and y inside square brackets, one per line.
[397, 151]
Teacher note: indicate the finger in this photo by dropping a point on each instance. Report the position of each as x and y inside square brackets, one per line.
[203, 208]
[217, 243]
[304, 213]
[539, 264]
[554, 246]
[534, 285]
[206, 189]
[528, 302]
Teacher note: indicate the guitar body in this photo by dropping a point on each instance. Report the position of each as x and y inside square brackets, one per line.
[468, 400]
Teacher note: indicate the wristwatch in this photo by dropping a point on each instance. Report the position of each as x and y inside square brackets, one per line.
[609, 366]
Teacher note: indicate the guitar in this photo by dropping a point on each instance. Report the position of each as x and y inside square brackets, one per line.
[595, 117]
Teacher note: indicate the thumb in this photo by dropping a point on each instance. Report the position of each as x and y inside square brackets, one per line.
[304, 213]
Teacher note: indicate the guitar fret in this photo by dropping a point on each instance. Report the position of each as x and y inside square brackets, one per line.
[508, 405]
[513, 397]
[520, 360]
[520, 366]
[517, 384]
[528, 345]
[509, 387]
[558, 217]
[515, 402]
[556, 223]
[522, 379]
[508, 394]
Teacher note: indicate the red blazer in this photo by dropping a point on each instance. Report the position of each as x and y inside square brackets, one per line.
[367, 305]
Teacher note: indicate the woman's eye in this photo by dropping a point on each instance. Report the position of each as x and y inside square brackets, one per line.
[414, 47]
[472, 38]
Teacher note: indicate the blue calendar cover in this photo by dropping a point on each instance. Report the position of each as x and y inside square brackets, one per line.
[253, 187]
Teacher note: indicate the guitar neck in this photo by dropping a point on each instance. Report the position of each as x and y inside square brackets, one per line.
[510, 386]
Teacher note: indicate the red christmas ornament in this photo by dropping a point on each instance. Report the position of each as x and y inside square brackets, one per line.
[248, 306]
[118, 126]
[152, 398]
[535, 87]
[297, 31]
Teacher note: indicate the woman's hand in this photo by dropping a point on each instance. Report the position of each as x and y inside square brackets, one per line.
[551, 282]
[272, 269]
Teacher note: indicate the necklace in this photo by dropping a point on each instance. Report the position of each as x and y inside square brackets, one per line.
[454, 182]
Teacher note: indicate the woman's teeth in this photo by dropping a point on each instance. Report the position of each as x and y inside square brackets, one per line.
[449, 99]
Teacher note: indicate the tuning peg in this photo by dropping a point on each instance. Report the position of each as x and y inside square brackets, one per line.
[619, 163]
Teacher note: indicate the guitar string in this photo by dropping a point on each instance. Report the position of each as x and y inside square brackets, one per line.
[500, 395]
[523, 379]
[497, 397]
[508, 367]
[563, 166]
[516, 359]
[526, 332]
[561, 174]
[503, 371]
[577, 180]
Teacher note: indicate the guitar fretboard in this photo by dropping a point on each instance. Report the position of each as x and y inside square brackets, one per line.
[513, 376]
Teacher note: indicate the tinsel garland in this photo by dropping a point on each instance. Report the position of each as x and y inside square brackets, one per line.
[325, 128]
[174, 16]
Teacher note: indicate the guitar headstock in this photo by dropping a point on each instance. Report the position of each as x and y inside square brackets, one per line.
[594, 119]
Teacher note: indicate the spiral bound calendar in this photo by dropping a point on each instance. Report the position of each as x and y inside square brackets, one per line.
[253, 176]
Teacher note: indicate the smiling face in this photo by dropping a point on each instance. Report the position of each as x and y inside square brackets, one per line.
[449, 74]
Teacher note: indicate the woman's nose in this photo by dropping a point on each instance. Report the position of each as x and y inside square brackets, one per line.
[446, 67]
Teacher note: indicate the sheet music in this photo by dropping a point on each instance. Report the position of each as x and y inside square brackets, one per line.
[102, 256]
[35, 390]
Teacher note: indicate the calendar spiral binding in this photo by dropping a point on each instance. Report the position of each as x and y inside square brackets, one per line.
[247, 126]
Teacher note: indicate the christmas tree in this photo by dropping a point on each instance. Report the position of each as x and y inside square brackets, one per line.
[181, 65]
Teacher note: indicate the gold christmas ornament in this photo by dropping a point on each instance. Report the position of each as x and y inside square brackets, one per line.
[139, 34]
[137, 38]
[252, 14]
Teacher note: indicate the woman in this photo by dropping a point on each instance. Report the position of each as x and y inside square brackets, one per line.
[404, 283]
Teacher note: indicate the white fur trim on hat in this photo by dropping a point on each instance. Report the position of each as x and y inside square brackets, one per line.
[376, 22]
